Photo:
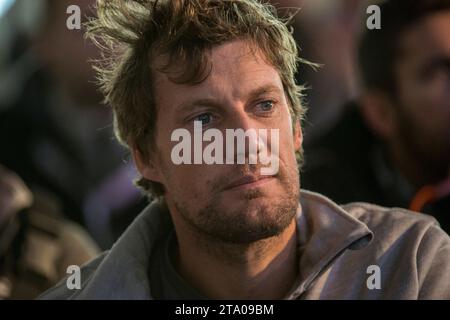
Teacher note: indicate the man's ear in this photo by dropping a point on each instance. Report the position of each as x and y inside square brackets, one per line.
[146, 167]
[298, 136]
[378, 111]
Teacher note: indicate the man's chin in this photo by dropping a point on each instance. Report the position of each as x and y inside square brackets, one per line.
[247, 216]
[247, 202]
[254, 219]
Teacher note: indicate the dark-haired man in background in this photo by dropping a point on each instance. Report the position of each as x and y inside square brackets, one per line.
[392, 146]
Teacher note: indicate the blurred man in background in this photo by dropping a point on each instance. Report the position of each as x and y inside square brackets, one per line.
[54, 131]
[392, 147]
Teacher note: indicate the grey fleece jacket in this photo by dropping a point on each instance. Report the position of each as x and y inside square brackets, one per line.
[338, 245]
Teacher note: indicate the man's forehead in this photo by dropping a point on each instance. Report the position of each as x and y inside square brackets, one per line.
[235, 53]
[237, 66]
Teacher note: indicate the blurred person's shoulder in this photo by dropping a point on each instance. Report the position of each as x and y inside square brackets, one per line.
[75, 245]
[350, 124]
[338, 162]
[50, 243]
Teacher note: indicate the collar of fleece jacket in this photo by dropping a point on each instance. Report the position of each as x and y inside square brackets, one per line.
[325, 231]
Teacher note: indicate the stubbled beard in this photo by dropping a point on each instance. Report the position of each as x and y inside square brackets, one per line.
[242, 226]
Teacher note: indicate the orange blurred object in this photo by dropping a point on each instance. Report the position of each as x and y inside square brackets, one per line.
[428, 194]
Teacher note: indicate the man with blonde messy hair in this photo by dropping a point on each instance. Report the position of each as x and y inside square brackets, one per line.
[225, 231]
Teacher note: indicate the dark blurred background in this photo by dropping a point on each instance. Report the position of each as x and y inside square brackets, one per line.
[54, 131]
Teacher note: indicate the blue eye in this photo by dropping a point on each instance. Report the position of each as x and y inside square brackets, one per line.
[266, 105]
[205, 118]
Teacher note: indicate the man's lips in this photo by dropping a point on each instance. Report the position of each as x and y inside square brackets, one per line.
[249, 181]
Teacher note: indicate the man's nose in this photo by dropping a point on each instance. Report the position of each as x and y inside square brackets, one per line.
[246, 131]
[241, 120]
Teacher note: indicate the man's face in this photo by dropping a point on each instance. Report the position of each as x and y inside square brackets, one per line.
[230, 202]
[423, 82]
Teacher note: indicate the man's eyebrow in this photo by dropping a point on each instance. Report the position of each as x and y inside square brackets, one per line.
[269, 88]
[193, 104]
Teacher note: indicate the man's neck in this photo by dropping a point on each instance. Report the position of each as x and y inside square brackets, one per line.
[265, 269]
